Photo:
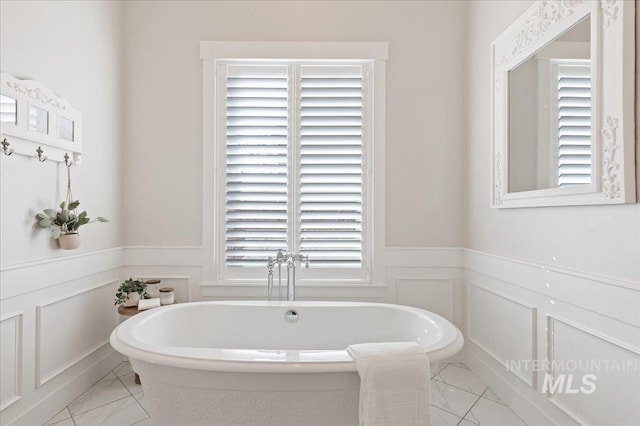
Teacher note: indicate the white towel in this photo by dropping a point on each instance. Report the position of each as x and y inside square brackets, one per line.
[394, 384]
[145, 304]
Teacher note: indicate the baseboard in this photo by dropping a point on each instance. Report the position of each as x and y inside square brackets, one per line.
[61, 397]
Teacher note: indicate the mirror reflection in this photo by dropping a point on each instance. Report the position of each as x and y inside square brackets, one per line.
[65, 128]
[38, 119]
[8, 110]
[550, 114]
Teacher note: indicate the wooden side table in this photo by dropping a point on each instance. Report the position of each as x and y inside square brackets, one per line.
[128, 312]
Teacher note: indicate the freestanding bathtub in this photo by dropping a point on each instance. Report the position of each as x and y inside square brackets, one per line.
[266, 363]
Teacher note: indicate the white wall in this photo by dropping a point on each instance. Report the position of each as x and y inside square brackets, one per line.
[74, 48]
[55, 308]
[603, 240]
[425, 89]
[554, 283]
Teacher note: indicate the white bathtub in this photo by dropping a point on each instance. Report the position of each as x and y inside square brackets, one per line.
[243, 363]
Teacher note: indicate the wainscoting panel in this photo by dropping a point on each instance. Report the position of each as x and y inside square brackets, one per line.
[604, 374]
[504, 327]
[24, 278]
[11, 360]
[58, 315]
[508, 310]
[608, 296]
[64, 336]
[578, 324]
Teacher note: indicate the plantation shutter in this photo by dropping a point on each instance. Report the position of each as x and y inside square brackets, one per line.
[331, 165]
[574, 124]
[256, 163]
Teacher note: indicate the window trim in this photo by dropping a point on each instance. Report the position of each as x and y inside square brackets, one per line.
[213, 53]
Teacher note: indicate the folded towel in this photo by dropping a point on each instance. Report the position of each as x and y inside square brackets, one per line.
[144, 304]
[394, 384]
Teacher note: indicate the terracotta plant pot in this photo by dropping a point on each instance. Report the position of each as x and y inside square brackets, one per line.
[69, 241]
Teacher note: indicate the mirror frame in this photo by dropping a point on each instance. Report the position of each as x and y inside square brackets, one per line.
[613, 78]
[23, 140]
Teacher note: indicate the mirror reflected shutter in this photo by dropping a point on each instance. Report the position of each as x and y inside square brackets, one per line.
[574, 123]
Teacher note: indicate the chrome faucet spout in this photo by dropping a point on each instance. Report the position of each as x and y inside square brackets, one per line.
[291, 279]
[270, 278]
[289, 259]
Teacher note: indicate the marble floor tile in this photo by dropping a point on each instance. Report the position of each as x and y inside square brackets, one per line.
[491, 396]
[145, 422]
[123, 369]
[461, 378]
[130, 383]
[123, 412]
[489, 413]
[142, 400]
[458, 364]
[451, 399]
[437, 369]
[108, 389]
[443, 418]
[67, 422]
[58, 418]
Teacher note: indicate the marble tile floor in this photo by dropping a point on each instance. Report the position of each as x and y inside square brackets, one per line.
[458, 397]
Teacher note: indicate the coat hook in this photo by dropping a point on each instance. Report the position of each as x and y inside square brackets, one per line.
[67, 160]
[41, 158]
[5, 147]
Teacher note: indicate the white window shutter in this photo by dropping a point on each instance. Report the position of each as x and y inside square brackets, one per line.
[574, 124]
[331, 165]
[256, 163]
[294, 162]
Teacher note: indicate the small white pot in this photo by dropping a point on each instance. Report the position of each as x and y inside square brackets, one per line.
[132, 300]
[69, 241]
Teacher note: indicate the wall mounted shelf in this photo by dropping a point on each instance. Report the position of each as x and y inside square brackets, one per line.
[37, 123]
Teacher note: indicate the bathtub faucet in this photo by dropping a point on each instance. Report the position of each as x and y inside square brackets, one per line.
[289, 259]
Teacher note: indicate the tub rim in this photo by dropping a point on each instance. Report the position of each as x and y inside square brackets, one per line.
[205, 359]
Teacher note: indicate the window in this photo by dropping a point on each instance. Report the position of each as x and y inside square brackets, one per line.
[293, 145]
[293, 140]
[572, 80]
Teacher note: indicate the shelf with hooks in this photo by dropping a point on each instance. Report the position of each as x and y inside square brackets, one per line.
[37, 123]
[42, 153]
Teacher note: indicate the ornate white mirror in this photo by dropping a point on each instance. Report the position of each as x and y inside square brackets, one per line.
[563, 99]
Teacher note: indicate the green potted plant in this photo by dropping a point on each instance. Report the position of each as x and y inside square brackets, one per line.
[130, 292]
[64, 223]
